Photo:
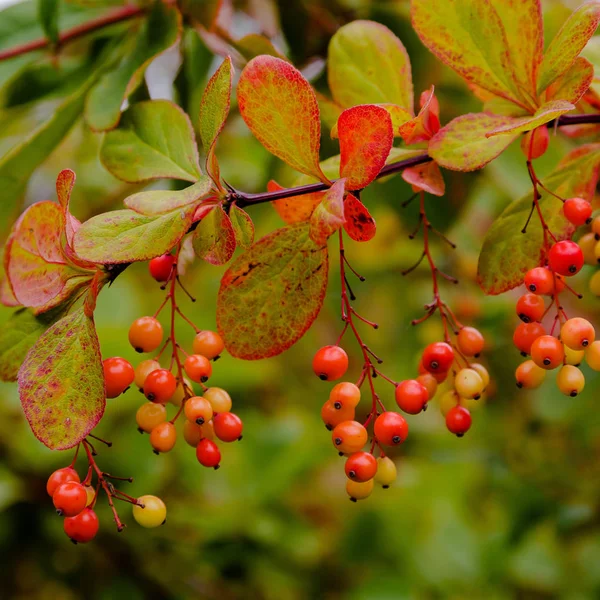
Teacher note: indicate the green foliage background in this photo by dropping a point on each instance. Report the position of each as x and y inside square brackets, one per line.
[510, 511]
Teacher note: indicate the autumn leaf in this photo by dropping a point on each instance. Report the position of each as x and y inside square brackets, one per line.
[296, 209]
[359, 224]
[243, 227]
[159, 202]
[426, 177]
[328, 216]
[573, 84]
[546, 113]
[426, 124]
[214, 237]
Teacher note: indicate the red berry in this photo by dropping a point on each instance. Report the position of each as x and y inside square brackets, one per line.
[535, 143]
[59, 477]
[333, 416]
[361, 466]
[161, 267]
[438, 357]
[330, 363]
[547, 352]
[118, 375]
[344, 394]
[145, 334]
[578, 211]
[69, 498]
[566, 258]
[390, 428]
[458, 420]
[470, 341]
[82, 528]
[530, 307]
[163, 437]
[160, 385]
[198, 368]
[208, 454]
[525, 334]
[411, 396]
[439, 377]
[349, 437]
[539, 281]
[228, 426]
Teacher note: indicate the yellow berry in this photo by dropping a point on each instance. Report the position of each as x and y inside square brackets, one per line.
[595, 283]
[596, 226]
[179, 395]
[587, 243]
[151, 513]
[592, 356]
[448, 401]
[149, 415]
[483, 373]
[468, 384]
[570, 380]
[359, 490]
[144, 369]
[219, 399]
[91, 494]
[386, 471]
[573, 357]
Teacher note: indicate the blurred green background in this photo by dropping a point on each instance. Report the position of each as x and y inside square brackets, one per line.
[512, 510]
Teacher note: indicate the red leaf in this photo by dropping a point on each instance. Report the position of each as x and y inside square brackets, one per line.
[328, 216]
[296, 209]
[426, 124]
[426, 177]
[359, 225]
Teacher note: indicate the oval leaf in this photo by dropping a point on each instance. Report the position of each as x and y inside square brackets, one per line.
[272, 293]
[296, 209]
[159, 202]
[280, 108]
[243, 227]
[328, 216]
[573, 84]
[426, 177]
[61, 382]
[359, 225]
[214, 238]
[544, 114]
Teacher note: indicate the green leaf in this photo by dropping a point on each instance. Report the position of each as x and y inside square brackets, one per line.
[507, 254]
[61, 382]
[272, 293]
[568, 43]
[214, 238]
[48, 11]
[160, 31]
[254, 44]
[544, 114]
[123, 236]
[328, 216]
[159, 202]
[573, 84]
[462, 145]
[367, 64]
[243, 227]
[154, 140]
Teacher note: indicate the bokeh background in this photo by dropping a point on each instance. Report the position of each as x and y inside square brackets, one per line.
[512, 510]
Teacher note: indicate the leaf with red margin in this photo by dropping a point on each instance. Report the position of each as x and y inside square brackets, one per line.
[272, 293]
[296, 209]
[398, 115]
[159, 202]
[507, 254]
[243, 227]
[426, 177]
[214, 109]
[568, 43]
[546, 113]
[328, 216]
[61, 382]
[462, 144]
[281, 110]
[214, 238]
[7, 297]
[34, 261]
[426, 124]
[366, 138]
[359, 225]
[573, 84]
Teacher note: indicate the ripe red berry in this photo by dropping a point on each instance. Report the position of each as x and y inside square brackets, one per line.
[458, 420]
[59, 477]
[82, 528]
[208, 454]
[578, 211]
[547, 352]
[209, 344]
[577, 333]
[525, 334]
[530, 307]
[161, 267]
[69, 498]
[198, 410]
[470, 341]
[390, 428]
[439, 377]
[438, 357]
[540, 281]
[349, 437]
[361, 466]
[411, 396]
[198, 368]
[228, 426]
[333, 416]
[160, 385]
[330, 363]
[566, 258]
[118, 375]
[145, 334]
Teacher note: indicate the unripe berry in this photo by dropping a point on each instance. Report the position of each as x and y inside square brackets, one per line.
[483, 373]
[144, 369]
[349, 437]
[198, 368]
[468, 384]
[429, 382]
[386, 472]
[458, 420]
[570, 380]
[359, 490]
[69, 498]
[595, 284]
[411, 396]
[330, 363]
[577, 333]
[59, 477]
[192, 433]
[547, 352]
[470, 341]
[151, 512]
[149, 415]
[344, 394]
[530, 307]
[597, 251]
[448, 401]
[90, 493]
[390, 428]
[565, 258]
[118, 375]
[587, 243]
[209, 344]
[529, 375]
[573, 357]
[145, 334]
[198, 410]
[228, 426]
[596, 227]
[180, 391]
[159, 386]
[82, 528]
[219, 399]
[333, 416]
[578, 211]
[163, 437]
[161, 267]
[361, 466]
[525, 334]
[535, 142]
[438, 357]
[208, 454]
[592, 356]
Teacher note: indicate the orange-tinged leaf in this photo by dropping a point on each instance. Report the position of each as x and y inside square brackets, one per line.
[280, 108]
[328, 216]
[296, 209]
[426, 177]
[64, 186]
[367, 64]
[546, 113]
[426, 124]
[399, 117]
[272, 293]
[568, 43]
[7, 297]
[573, 84]
[366, 138]
[214, 238]
[359, 225]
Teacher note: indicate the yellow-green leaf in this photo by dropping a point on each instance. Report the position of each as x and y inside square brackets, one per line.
[546, 113]
[573, 84]
[159, 202]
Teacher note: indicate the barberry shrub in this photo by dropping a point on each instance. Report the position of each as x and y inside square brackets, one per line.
[273, 288]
